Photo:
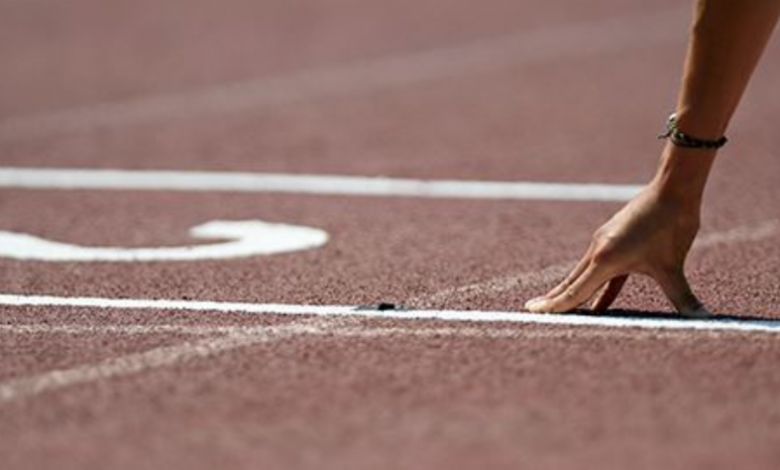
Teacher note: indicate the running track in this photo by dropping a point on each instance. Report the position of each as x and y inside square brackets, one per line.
[445, 159]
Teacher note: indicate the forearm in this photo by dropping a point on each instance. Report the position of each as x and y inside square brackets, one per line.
[726, 42]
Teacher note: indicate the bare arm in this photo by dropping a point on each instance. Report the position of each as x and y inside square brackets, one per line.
[726, 42]
[653, 233]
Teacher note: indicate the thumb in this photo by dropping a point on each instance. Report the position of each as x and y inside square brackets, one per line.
[678, 290]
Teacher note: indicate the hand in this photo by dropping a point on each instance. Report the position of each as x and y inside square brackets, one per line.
[651, 235]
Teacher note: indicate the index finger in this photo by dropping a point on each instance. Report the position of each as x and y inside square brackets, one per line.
[580, 290]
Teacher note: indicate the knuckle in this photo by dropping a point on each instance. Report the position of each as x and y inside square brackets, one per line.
[568, 296]
[605, 255]
[599, 235]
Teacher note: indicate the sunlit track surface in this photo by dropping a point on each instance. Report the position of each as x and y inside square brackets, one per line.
[299, 235]
[636, 31]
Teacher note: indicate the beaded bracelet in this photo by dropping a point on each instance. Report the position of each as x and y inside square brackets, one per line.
[681, 139]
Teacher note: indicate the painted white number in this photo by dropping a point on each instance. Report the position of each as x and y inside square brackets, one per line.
[245, 238]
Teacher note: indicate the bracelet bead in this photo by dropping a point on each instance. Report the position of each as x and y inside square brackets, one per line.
[681, 139]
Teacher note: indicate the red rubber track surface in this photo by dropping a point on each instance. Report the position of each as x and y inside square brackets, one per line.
[372, 393]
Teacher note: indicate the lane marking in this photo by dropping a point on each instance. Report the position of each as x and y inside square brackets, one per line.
[627, 33]
[237, 337]
[415, 331]
[233, 338]
[555, 273]
[139, 362]
[715, 324]
[246, 238]
[329, 185]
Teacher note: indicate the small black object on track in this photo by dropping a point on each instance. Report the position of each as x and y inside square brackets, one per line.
[383, 306]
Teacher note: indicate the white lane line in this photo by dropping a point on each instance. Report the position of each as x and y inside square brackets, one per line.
[182, 305]
[139, 362]
[632, 32]
[716, 324]
[551, 274]
[333, 185]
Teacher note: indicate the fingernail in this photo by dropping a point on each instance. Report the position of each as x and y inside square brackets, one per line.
[535, 303]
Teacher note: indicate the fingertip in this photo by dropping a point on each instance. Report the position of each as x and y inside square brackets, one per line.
[535, 299]
[676, 287]
[536, 305]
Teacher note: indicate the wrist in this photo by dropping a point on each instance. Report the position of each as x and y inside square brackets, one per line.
[682, 174]
[679, 138]
[704, 124]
